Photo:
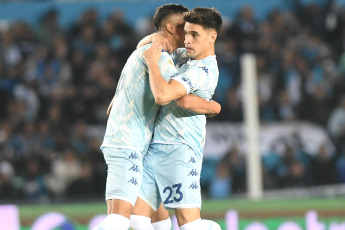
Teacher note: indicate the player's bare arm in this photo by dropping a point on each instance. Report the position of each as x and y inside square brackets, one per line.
[198, 105]
[163, 92]
[190, 102]
[156, 38]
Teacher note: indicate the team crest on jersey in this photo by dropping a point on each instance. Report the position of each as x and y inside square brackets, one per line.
[170, 62]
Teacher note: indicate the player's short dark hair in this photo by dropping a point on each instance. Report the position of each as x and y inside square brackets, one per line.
[206, 17]
[166, 10]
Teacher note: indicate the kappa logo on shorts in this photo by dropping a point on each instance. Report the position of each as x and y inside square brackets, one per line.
[194, 186]
[133, 181]
[134, 168]
[192, 160]
[193, 172]
[134, 156]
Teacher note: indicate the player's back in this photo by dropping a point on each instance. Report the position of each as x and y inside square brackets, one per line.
[134, 111]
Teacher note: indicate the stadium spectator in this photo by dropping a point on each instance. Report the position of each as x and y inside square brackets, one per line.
[11, 186]
[65, 169]
[236, 165]
[336, 124]
[220, 186]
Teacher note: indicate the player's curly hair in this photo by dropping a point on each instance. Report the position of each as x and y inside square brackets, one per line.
[164, 11]
[206, 17]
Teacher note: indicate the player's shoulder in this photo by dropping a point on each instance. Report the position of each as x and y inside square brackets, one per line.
[142, 49]
[207, 66]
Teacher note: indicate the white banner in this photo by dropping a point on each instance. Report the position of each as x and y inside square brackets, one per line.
[222, 136]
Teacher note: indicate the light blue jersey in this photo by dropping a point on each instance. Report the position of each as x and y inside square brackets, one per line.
[176, 125]
[132, 117]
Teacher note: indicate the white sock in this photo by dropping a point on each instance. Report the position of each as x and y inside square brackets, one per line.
[162, 225]
[195, 225]
[113, 222]
[209, 225]
[140, 223]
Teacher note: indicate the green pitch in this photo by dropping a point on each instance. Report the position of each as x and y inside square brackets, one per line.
[211, 209]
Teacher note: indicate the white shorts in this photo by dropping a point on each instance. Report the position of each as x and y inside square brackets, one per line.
[172, 176]
[125, 172]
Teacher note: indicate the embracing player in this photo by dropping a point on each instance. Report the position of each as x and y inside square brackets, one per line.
[131, 121]
[172, 165]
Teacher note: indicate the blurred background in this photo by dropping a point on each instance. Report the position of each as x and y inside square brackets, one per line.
[59, 66]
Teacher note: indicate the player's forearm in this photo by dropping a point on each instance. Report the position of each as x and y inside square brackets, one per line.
[159, 86]
[199, 105]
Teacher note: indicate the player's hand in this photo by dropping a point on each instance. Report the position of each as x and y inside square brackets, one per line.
[163, 41]
[110, 106]
[153, 54]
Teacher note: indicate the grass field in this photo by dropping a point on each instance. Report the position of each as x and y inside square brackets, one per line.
[264, 211]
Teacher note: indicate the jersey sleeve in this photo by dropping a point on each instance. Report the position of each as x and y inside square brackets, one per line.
[166, 66]
[193, 78]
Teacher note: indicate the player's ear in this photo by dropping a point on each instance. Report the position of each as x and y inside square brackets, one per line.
[170, 27]
[213, 37]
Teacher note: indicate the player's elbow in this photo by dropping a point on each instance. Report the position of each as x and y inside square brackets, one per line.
[161, 100]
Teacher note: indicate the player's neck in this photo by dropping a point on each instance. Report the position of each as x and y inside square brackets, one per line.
[207, 53]
[171, 40]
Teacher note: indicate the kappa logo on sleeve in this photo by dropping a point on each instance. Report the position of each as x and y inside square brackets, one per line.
[204, 68]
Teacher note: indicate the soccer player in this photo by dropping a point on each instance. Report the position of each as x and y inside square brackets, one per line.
[172, 165]
[131, 121]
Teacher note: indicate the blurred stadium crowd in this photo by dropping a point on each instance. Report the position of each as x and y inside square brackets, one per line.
[55, 83]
